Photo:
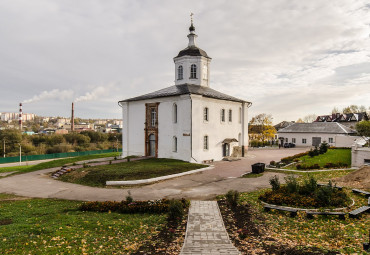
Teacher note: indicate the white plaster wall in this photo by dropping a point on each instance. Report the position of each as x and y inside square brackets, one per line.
[345, 141]
[133, 136]
[308, 136]
[167, 129]
[359, 155]
[216, 130]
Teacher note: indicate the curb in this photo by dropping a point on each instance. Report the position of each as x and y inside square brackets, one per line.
[145, 181]
[311, 171]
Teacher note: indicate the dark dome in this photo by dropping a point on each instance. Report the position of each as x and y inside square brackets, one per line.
[192, 51]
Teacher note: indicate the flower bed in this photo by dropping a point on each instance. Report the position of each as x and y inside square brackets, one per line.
[306, 195]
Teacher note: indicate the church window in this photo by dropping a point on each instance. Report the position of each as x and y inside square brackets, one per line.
[174, 145]
[153, 115]
[205, 114]
[222, 115]
[230, 115]
[175, 113]
[180, 73]
[205, 142]
[193, 71]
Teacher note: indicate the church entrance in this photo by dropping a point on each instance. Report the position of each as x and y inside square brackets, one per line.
[226, 150]
[152, 145]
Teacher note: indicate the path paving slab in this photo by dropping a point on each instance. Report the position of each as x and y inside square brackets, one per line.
[205, 231]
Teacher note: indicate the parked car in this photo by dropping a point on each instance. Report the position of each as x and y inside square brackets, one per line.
[289, 145]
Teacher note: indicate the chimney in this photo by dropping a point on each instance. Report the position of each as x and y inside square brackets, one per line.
[20, 116]
[73, 118]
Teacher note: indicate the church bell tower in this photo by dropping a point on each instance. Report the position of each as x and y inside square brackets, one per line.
[192, 63]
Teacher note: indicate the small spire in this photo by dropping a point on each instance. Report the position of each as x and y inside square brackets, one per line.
[191, 28]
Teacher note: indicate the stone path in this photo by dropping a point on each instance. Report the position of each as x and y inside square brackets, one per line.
[205, 231]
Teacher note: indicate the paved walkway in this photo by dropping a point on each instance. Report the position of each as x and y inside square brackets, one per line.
[205, 231]
[200, 186]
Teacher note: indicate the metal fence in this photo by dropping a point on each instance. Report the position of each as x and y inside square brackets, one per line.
[55, 155]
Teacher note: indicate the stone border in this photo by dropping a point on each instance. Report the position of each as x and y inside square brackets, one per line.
[314, 209]
[311, 171]
[156, 179]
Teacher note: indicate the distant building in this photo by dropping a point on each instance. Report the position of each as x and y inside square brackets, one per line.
[313, 134]
[9, 116]
[349, 119]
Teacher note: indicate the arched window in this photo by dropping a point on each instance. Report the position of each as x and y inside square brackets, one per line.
[205, 142]
[193, 71]
[222, 115]
[180, 73]
[205, 114]
[174, 113]
[153, 114]
[174, 144]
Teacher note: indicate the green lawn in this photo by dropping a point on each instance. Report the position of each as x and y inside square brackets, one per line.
[134, 170]
[55, 163]
[345, 236]
[331, 156]
[49, 226]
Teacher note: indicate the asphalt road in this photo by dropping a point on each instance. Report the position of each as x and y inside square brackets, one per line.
[204, 185]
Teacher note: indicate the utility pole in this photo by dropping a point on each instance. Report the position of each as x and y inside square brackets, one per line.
[20, 154]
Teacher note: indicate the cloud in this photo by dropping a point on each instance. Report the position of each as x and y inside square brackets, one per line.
[290, 58]
[53, 94]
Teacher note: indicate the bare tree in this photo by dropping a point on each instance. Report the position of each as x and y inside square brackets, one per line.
[310, 118]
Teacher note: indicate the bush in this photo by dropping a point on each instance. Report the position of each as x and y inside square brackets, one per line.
[158, 206]
[129, 198]
[232, 197]
[291, 158]
[291, 184]
[309, 186]
[298, 166]
[272, 163]
[175, 210]
[275, 183]
[323, 147]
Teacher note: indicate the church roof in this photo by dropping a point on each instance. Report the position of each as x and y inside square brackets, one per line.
[186, 89]
[317, 127]
[192, 51]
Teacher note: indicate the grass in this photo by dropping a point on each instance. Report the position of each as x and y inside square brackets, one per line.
[252, 175]
[55, 163]
[331, 156]
[345, 236]
[134, 170]
[49, 226]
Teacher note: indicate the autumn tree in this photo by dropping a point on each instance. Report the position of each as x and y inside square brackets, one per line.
[363, 128]
[262, 124]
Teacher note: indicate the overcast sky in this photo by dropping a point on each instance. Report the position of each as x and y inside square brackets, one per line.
[289, 58]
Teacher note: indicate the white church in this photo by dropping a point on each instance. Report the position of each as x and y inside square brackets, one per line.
[189, 120]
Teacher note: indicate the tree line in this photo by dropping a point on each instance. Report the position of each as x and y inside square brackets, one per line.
[12, 139]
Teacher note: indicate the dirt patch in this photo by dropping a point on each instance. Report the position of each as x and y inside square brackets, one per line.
[5, 221]
[356, 179]
[251, 237]
[168, 241]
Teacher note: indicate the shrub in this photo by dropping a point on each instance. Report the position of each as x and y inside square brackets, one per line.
[323, 147]
[272, 163]
[175, 210]
[311, 153]
[232, 197]
[291, 184]
[129, 198]
[275, 183]
[291, 158]
[298, 166]
[309, 186]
